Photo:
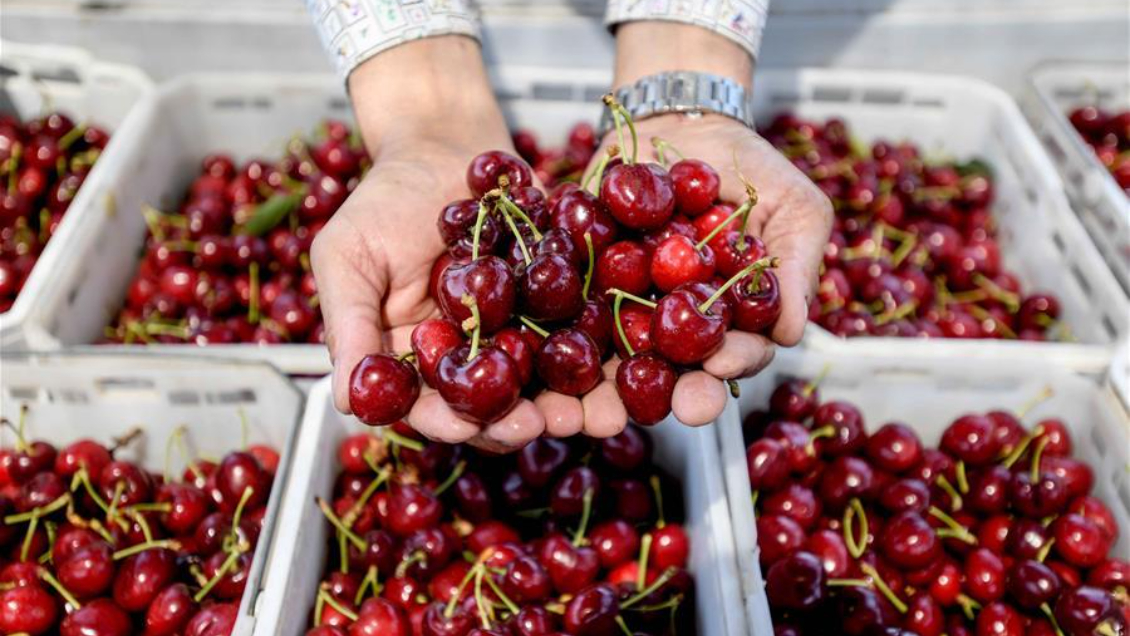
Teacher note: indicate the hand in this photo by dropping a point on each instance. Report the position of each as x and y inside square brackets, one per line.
[372, 261]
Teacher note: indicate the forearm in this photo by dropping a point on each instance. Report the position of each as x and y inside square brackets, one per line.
[424, 91]
[684, 47]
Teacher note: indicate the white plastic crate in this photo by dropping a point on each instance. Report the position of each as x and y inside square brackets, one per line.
[689, 454]
[79, 395]
[38, 78]
[1054, 91]
[927, 396]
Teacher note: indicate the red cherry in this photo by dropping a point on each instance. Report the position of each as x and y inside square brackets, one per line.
[486, 169]
[1079, 541]
[382, 389]
[677, 260]
[170, 611]
[984, 576]
[639, 196]
[670, 547]
[894, 448]
[696, 186]
[550, 289]
[999, 619]
[646, 385]
[141, 577]
[29, 609]
[593, 611]
[489, 281]
[624, 265]
[681, 332]
[568, 361]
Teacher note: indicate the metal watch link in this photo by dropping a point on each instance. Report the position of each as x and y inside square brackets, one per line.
[683, 92]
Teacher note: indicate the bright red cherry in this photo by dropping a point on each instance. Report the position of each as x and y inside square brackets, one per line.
[639, 196]
[646, 384]
[696, 186]
[481, 389]
[678, 260]
[568, 361]
[486, 169]
[383, 389]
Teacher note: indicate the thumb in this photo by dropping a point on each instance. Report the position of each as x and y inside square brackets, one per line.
[351, 288]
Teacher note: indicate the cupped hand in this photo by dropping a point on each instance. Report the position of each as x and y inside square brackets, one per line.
[792, 217]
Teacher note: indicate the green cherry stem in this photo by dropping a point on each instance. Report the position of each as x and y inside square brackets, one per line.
[357, 541]
[655, 585]
[1037, 455]
[163, 544]
[476, 334]
[586, 512]
[57, 504]
[641, 567]
[598, 173]
[962, 480]
[956, 501]
[657, 490]
[1047, 610]
[1034, 401]
[328, 599]
[533, 326]
[50, 579]
[372, 579]
[959, 531]
[740, 212]
[512, 208]
[590, 268]
[452, 478]
[764, 263]
[661, 147]
[856, 547]
[885, 589]
[518, 237]
[510, 606]
[632, 297]
[478, 230]
[620, 325]
[253, 302]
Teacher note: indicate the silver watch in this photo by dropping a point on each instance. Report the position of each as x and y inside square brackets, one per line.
[683, 92]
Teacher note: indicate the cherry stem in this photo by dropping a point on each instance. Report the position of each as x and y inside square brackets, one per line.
[50, 579]
[960, 532]
[72, 136]
[1106, 629]
[517, 237]
[357, 541]
[510, 606]
[1042, 555]
[406, 562]
[1035, 401]
[452, 478]
[1020, 449]
[478, 230]
[641, 564]
[372, 579]
[14, 163]
[598, 173]
[1037, 455]
[343, 552]
[904, 249]
[236, 517]
[119, 488]
[450, 609]
[21, 430]
[661, 147]
[162, 544]
[42, 511]
[1047, 610]
[657, 489]
[753, 498]
[740, 212]
[815, 382]
[355, 510]
[398, 440]
[619, 118]
[1010, 299]
[968, 605]
[956, 501]
[962, 480]
[480, 605]
[620, 325]
[513, 208]
[655, 585]
[885, 589]
[853, 511]
[332, 602]
[591, 266]
[632, 297]
[848, 583]
[767, 262]
[533, 326]
[253, 301]
[586, 512]
[139, 519]
[476, 334]
[29, 534]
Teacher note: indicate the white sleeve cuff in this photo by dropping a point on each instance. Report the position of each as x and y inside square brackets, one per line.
[352, 31]
[739, 20]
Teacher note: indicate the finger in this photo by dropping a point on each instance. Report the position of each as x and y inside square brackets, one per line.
[699, 398]
[434, 419]
[605, 414]
[516, 429]
[742, 355]
[564, 415]
[349, 294]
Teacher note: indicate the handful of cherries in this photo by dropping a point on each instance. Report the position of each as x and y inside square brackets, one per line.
[232, 264]
[567, 537]
[42, 163]
[993, 533]
[1108, 134]
[554, 166]
[532, 289]
[95, 546]
[914, 249]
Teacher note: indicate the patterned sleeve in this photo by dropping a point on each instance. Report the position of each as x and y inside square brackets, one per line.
[740, 20]
[352, 31]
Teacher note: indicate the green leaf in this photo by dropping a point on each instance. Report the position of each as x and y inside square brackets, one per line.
[271, 212]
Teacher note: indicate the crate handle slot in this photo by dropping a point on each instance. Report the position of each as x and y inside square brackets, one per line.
[832, 94]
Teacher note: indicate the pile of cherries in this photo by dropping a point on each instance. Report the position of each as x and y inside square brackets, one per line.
[553, 166]
[531, 289]
[993, 533]
[914, 249]
[564, 538]
[42, 164]
[91, 545]
[1108, 134]
[232, 264]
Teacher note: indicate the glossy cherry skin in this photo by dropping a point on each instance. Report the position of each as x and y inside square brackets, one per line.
[540, 460]
[485, 169]
[696, 186]
[778, 536]
[579, 213]
[482, 389]
[217, 619]
[682, 333]
[646, 383]
[800, 454]
[570, 568]
[83, 453]
[526, 581]
[412, 508]
[431, 339]
[550, 289]
[844, 479]
[624, 265]
[669, 547]
[999, 619]
[1098, 512]
[593, 612]
[984, 576]
[971, 438]
[794, 400]
[909, 542]
[1039, 499]
[988, 489]
[1081, 610]
[796, 582]
[489, 281]
[925, 616]
[238, 473]
[767, 464]
[677, 260]
[1031, 584]
[141, 577]
[516, 345]
[170, 611]
[1079, 541]
[568, 361]
[28, 608]
[88, 571]
[846, 422]
[533, 620]
[639, 196]
[566, 499]
[100, 617]
[756, 300]
[862, 611]
[894, 448]
[457, 221]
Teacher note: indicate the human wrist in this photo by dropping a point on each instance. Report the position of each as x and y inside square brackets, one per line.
[684, 47]
[431, 90]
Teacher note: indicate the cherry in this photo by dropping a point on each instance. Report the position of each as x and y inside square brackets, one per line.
[593, 611]
[1031, 584]
[646, 384]
[29, 609]
[550, 289]
[1099, 513]
[1077, 477]
[596, 321]
[626, 450]
[383, 388]
[1054, 437]
[757, 304]
[568, 361]
[170, 611]
[1110, 575]
[1079, 541]
[520, 348]
[615, 542]
[188, 506]
[431, 339]
[800, 454]
[905, 495]
[1040, 498]
[40, 491]
[579, 213]
[99, 617]
[863, 611]
[971, 439]
[767, 464]
[570, 568]
[696, 186]
[136, 486]
[541, 459]
[796, 582]
[681, 332]
[412, 508]
[217, 619]
[533, 620]
[489, 281]
[142, 576]
[632, 499]
[678, 260]
[999, 619]
[778, 536]
[482, 388]
[984, 576]
[894, 448]
[526, 581]
[238, 473]
[560, 242]
[988, 489]
[639, 196]
[843, 479]
[1081, 611]
[624, 265]
[82, 453]
[909, 542]
[636, 321]
[567, 498]
[88, 571]
[485, 171]
[924, 616]
[21, 466]
[794, 400]
[669, 547]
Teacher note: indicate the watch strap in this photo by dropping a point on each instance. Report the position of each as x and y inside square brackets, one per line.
[683, 92]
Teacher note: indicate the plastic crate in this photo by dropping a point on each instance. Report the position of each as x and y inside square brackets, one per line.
[33, 79]
[1055, 90]
[1041, 239]
[689, 454]
[927, 396]
[73, 396]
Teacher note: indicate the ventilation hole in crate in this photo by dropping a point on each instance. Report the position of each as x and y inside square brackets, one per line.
[337, 103]
[241, 396]
[558, 92]
[1081, 279]
[883, 96]
[72, 396]
[122, 384]
[23, 394]
[784, 100]
[831, 94]
[594, 93]
[262, 103]
[184, 397]
[62, 75]
[229, 103]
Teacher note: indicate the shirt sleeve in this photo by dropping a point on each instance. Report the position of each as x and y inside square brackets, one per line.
[740, 20]
[352, 31]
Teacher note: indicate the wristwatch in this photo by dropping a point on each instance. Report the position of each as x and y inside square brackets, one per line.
[683, 92]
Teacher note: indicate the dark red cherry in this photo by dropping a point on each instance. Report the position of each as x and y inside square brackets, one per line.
[678, 260]
[142, 576]
[550, 289]
[1000, 619]
[829, 546]
[845, 423]
[481, 389]
[682, 333]
[767, 464]
[568, 361]
[489, 282]
[796, 501]
[639, 196]
[646, 384]
[624, 265]
[29, 609]
[593, 612]
[984, 576]
[756, 300]
[88, 571]
[567, 498]
[431, 339]
[100, 617]
[485, 169]
[412, 508]
[636, 321]
[83, 453]
[579, 213]
[971, 439]
[843, 479]
[796, 582]
[517, 346]
[894, 448]
[696, 186]
[1037, 499]
[794, 400]
[1082, 611]
[526, 581]
[1079, 541]
[170, 611]
[596, 321]
[238, 473]
[1031, 584]
[778, 536]
[909, 542]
